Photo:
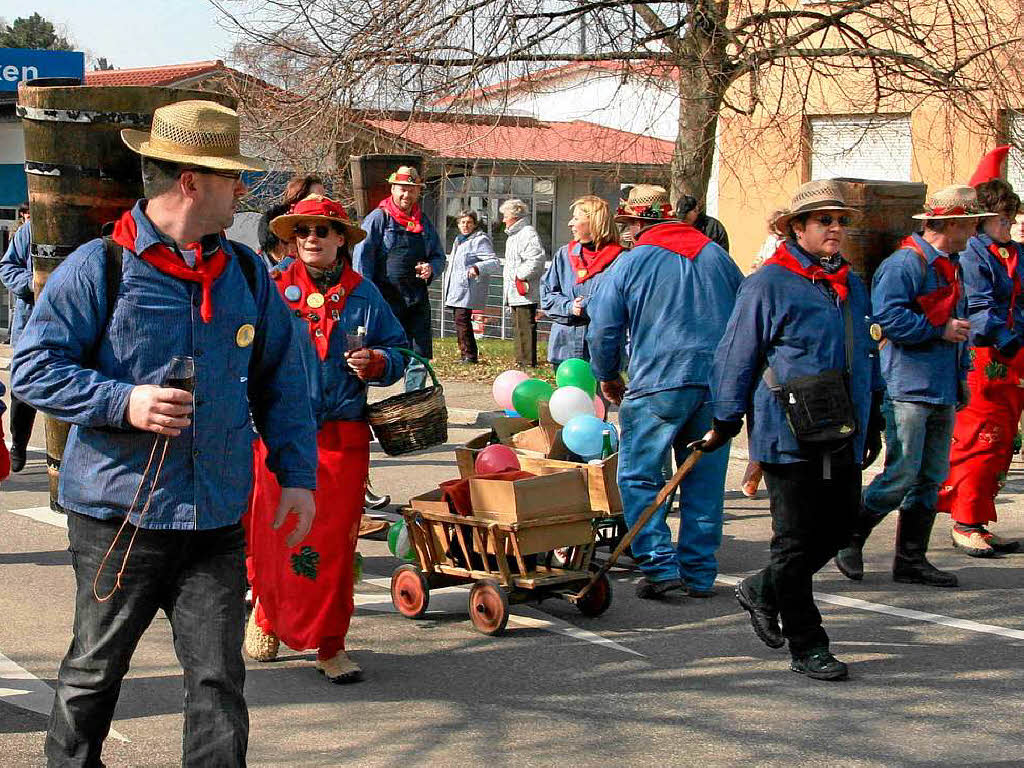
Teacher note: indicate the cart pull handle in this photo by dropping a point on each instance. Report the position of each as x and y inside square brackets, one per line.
[641, 521]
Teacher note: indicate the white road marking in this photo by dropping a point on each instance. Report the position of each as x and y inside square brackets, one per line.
[43, 515]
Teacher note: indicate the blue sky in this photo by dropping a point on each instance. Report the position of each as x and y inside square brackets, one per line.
[134, 34]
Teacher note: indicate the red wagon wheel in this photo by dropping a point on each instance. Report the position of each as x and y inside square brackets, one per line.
[597, 599]
[488, 607]
[409, 591]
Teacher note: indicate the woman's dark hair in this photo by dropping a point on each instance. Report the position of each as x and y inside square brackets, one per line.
[469, 214]
[23, 209]
[790, 232]
[997, 196]
[268, 240]
[298, 187]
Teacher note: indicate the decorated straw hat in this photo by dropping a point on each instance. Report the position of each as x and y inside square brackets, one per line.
[407, 176]
[200, 133]
[955, 202]
[645, 202]
[824, 195]
[315, 209]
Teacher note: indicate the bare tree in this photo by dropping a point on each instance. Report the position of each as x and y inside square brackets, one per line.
[764, 61]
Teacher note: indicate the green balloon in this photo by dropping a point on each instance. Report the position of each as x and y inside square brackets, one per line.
[575, 372]
[527, 395]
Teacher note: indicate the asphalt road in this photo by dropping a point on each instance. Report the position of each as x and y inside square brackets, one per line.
[678, 683]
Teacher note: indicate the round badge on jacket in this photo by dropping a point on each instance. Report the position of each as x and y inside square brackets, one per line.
[293, 293]
[876, 331]
[315, 300]
[246, 333]
[1004, 254]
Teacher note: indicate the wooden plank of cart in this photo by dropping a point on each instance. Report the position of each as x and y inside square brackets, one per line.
[498, 549]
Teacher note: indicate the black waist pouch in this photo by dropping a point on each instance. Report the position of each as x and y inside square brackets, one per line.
[818, 408]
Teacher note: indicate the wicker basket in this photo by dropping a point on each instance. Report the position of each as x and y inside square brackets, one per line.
[412, 420]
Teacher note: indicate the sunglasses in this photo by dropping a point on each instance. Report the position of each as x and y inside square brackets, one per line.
[826, 220]
[321, 230]
[233, 175]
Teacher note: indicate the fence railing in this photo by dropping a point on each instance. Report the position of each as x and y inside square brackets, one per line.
[497, 316]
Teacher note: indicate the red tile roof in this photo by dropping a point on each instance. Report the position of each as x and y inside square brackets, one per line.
[166, 75]
[482, 137]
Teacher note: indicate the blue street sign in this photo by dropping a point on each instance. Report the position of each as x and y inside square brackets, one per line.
[19, 64]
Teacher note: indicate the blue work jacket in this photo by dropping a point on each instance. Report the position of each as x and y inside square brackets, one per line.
[675, 310]
[377, 258]
[918, 365]
[16, 275]
[74, 364]
[336, 393]
[988, 286]
[796, 326]
[558, 288]
[461, 290]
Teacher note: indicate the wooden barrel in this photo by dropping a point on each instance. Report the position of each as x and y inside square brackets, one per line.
[887, 208]
[370, 177]
[80, 176]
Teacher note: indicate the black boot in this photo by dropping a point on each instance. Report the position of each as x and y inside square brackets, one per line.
[850, 559]
[911, 566]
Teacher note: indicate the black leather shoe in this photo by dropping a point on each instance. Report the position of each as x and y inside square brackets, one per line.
[820, 665]
[656, 590]
[700, 593]
[17, 458]
[850, 562]
[765, 624]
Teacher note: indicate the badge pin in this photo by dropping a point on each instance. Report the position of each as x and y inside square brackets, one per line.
[315, 300]
[876, 331]
[246, 333]
[1004, 254]
[581, 273]
[293, 293]
[313, 317]
[336, 297]
[335, 315]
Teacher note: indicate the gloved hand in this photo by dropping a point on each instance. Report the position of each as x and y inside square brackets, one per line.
[720, 433]
[873, 432]
[5, 457]
[368, 364]
[614, 390]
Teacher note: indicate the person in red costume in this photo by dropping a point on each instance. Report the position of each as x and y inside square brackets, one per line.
[986, 429]
[303, 596]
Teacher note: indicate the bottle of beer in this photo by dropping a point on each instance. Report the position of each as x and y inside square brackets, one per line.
[606, 444]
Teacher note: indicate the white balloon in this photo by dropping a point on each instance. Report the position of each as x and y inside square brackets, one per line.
[567, 402]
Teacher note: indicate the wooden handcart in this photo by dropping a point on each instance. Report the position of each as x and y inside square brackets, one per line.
[501, 561]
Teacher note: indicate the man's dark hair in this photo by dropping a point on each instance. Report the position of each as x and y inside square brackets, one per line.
[935, 225]
[158, 176]
[268, 240]
[997, 196]
[685, 204]
[23, 208]
[790, 232]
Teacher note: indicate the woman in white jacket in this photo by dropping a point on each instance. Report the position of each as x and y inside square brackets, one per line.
[524, 265]
[465, 284]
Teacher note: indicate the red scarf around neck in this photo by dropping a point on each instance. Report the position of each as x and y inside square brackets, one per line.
[170, 263]
[676, 236]
[321, 321]
[1011, 263]
[586, 263]
[938, 305]
[410, 222]
[836, 280]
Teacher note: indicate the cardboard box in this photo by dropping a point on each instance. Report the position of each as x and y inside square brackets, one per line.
[544, 538]
[602, 485]
[430, 502]
[562, 493]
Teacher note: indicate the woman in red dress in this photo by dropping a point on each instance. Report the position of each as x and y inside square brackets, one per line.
[303, 596]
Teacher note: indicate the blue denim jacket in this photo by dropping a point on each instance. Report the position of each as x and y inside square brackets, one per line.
[675, 310]
[74, 365]
[796, 326]
[918, 365]
[369, 257]
[336, 392]
[16, 275]
[988, 287]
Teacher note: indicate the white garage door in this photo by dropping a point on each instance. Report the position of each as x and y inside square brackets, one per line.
[861, 148]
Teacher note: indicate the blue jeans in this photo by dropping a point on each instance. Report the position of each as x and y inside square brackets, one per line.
[198, 579]
[917, 442]
[651, 425]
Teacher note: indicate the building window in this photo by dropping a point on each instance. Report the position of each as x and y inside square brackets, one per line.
[861, 147]
[485, 194]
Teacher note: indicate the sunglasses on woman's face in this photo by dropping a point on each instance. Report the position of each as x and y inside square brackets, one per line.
[826, 220]
[321, 230]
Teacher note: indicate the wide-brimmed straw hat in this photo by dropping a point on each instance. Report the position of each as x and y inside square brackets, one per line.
[645, 202]
[316, 208]
[199, 133]
[823, 195]
[955, 202]
[406, 176]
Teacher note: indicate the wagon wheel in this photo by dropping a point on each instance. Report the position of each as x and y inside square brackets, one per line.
[597, 600]
[488, 607]
[409, 591]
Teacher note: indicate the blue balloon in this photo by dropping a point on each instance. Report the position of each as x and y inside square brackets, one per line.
[584, 435]
[511, 413]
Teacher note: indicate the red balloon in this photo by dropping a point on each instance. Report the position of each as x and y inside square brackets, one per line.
[496, 458]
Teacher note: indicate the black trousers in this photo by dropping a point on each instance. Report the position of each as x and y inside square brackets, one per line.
[464, 332]
[524, 320]
[23, 416]
[812, 518]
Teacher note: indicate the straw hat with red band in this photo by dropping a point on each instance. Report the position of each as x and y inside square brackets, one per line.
[312, 210]
[955, 202]
[406, 176]
[646, 202]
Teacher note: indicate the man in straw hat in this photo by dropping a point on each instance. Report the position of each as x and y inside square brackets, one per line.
[402, 255]
[673, 294]
[918, 301]
[798, 342]
[95, 354]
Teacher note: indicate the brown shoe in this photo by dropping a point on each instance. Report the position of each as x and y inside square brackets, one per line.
[368, 526]
[340, 669]
[260, 645]
[972, 542]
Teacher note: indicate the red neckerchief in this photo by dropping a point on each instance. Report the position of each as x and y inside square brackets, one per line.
[676, 236]
[938, 305]
[410, 222]
[321, 321]
[837, 279]
[1010, 262]
[170, 263]
[585, 264]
